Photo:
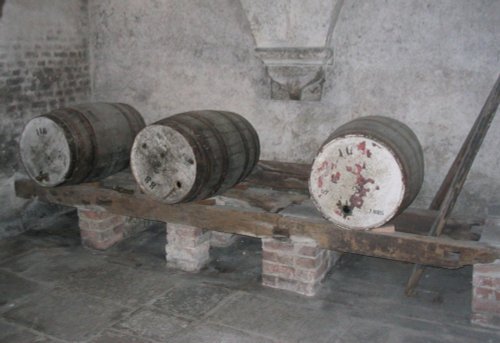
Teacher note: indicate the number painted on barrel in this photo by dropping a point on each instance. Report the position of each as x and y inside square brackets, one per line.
[41, 131]
[348, 151]
[378, 212]
[150, 182]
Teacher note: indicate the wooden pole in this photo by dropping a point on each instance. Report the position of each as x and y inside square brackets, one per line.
[452, 185]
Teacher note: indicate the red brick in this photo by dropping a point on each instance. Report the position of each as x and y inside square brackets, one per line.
[184, 230]
[187, 247]
[277, 269]
[277, 258]
[269, 280]
[305, 275]
[187, 240]
[199, 252]
[287, 284]
[484, 293]
[486, 319]
[483, 281]
[304, 262]
[308, 250]
[488, 268]
[303, 288]
[485, 306]
[273, 244]
[100, 225]
[101, 240]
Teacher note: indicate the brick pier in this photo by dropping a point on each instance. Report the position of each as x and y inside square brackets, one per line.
[296, 264]
[486, 278]
[101, 229]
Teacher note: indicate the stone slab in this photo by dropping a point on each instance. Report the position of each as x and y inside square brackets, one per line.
[279, 320]
[216, 333]
[12, 334]
[127, 286]
[114, 336]
[13, 287]
[152, 324]
[191, 301]
[66, 315]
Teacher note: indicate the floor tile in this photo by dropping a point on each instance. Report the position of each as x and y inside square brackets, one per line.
[152, 324]
[191, 300]
[211, 333]
[280, 320]
[66, 315]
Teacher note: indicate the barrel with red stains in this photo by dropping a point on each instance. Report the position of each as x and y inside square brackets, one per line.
[367, 171]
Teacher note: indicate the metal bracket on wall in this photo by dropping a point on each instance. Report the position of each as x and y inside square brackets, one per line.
[293, 39]
[296, 73]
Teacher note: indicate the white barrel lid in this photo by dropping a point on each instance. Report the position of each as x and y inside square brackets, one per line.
[45, 152]
[357, 182]
[163, 163]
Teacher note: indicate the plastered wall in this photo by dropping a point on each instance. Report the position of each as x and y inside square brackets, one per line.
[428, 63]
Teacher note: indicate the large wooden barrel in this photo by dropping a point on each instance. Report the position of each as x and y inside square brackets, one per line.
[367, 171]
[194, 155]
[80, 143]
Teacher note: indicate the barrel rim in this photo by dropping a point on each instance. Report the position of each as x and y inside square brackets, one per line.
[388, 218]
[135, 171]
[28, 170]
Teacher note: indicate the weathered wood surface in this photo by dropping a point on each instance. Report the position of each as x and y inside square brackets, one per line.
[118, 195]
[280, 175]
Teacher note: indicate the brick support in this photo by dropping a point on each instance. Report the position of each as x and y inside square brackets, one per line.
[222, 239]
[486, 278]
[296, 265]
[101, 230]
[187, 247]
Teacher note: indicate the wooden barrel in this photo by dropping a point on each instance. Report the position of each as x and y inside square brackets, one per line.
[194, 155]
[80, 143]
[367, 171]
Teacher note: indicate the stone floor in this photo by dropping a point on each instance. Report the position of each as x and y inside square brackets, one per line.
[53, 290]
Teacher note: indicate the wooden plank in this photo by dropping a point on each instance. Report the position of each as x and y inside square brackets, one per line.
[280, 175]
[418, 222]
[397, 246]
[438, 251]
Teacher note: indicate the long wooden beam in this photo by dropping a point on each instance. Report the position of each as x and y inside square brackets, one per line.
[436, 251]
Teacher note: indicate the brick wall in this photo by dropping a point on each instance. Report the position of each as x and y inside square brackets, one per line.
[44, 64]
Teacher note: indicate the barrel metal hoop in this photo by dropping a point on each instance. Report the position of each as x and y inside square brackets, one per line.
[73, 146]
[199, 154]
[256, 143]
[94, 149]
[223, 150]
[133, 118]
[246, 145]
